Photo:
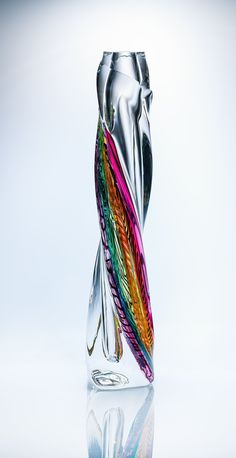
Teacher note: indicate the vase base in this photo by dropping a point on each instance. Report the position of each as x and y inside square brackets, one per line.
[109, 379]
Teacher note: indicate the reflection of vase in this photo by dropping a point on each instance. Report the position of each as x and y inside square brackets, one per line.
[121, 424]
[120, 333]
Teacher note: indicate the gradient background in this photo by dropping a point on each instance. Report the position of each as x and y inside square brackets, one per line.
[49, 229]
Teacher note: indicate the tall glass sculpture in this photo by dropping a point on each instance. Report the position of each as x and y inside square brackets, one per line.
[120, 334]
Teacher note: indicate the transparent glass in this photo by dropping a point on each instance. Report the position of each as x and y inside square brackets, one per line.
[120, 335]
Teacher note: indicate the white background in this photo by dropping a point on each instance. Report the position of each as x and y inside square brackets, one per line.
[49, 229]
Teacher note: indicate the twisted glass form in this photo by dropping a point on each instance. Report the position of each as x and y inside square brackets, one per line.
[120, 334]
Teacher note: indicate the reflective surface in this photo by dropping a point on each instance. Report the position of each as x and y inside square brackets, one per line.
[120, 424]
[49, 228]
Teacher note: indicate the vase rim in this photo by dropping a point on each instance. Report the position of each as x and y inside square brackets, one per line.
[125, 53]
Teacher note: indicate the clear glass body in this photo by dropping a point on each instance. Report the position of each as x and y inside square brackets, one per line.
[120, 335]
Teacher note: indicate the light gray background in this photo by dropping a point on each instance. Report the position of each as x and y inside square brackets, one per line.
[49, 229]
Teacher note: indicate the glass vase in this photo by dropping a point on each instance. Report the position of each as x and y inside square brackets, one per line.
[120, 335]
